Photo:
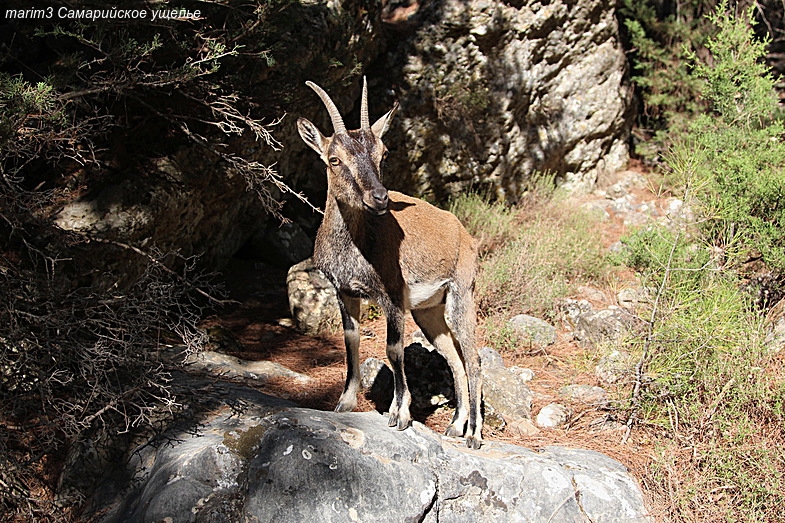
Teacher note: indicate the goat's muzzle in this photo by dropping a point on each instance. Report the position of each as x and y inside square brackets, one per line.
[376, 201]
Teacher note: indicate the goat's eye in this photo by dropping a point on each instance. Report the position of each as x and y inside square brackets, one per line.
[335, 161]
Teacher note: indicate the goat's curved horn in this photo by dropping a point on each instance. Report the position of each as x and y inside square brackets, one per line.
[335, 116]
[365, 124]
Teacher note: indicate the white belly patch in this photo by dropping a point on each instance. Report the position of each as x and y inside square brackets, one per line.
[424, 295]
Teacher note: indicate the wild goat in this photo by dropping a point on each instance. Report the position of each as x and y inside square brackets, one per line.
[402, 253]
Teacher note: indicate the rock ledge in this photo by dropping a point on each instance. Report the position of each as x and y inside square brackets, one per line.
[285, 464]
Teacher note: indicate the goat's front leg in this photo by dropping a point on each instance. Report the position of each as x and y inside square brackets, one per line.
[399, 409]
[350, 317]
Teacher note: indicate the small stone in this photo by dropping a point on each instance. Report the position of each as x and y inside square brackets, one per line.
[525, 374]
[649, 208]
[674, 206]
[313, 301]
[494, 420]
[631, 298]
[605, 423]
[617, 248]
[504, 391]
[490, 358]
[616, 367]
[523, 427]
[369, 371]
[592, 293]
[571, 310]
[419, 337]
[587, 394]
[533, 330]
[775, 327]
[622, 205]
[617, 190]
[553, 415]
[607, 325]
[597, 209]
[635, 218]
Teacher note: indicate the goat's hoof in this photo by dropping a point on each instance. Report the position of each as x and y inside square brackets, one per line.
[454, 430]
[392, 421]
[399, 422]
[345, 406]
[473, 442]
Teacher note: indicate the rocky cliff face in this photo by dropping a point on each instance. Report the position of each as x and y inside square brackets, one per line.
[492, 92]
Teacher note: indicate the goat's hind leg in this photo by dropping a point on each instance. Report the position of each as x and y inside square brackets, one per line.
[438, 334]
[350, 317]
[460, 308]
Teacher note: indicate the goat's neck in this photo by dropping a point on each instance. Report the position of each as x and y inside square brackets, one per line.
[342, 220]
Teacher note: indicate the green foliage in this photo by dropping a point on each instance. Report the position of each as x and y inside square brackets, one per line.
[491, 223]
[80, 103]
[18, 97]
[739, 149]
[26, 105]
[530, 258]
[502, 336]
[552, 252]
[713, 383]
[738, 85]
[661, 44]
[650, 250]
[124, 91]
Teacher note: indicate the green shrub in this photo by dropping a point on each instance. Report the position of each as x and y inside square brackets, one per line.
[491, 223]
[554, 250]
[531, 257]
[739, 148]
[712, 386]
[649, 251]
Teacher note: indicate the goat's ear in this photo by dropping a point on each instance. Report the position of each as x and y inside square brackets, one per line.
[312, 136]
[382, 125]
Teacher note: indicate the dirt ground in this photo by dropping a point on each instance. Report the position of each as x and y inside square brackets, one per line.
[261, 323]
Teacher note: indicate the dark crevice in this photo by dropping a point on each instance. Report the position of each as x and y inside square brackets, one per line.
[433, 505]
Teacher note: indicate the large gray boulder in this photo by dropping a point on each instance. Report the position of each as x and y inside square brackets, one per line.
[283, 464]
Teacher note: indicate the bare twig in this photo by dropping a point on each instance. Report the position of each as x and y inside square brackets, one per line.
[254, 173]
[158, 263]
[640, 367]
